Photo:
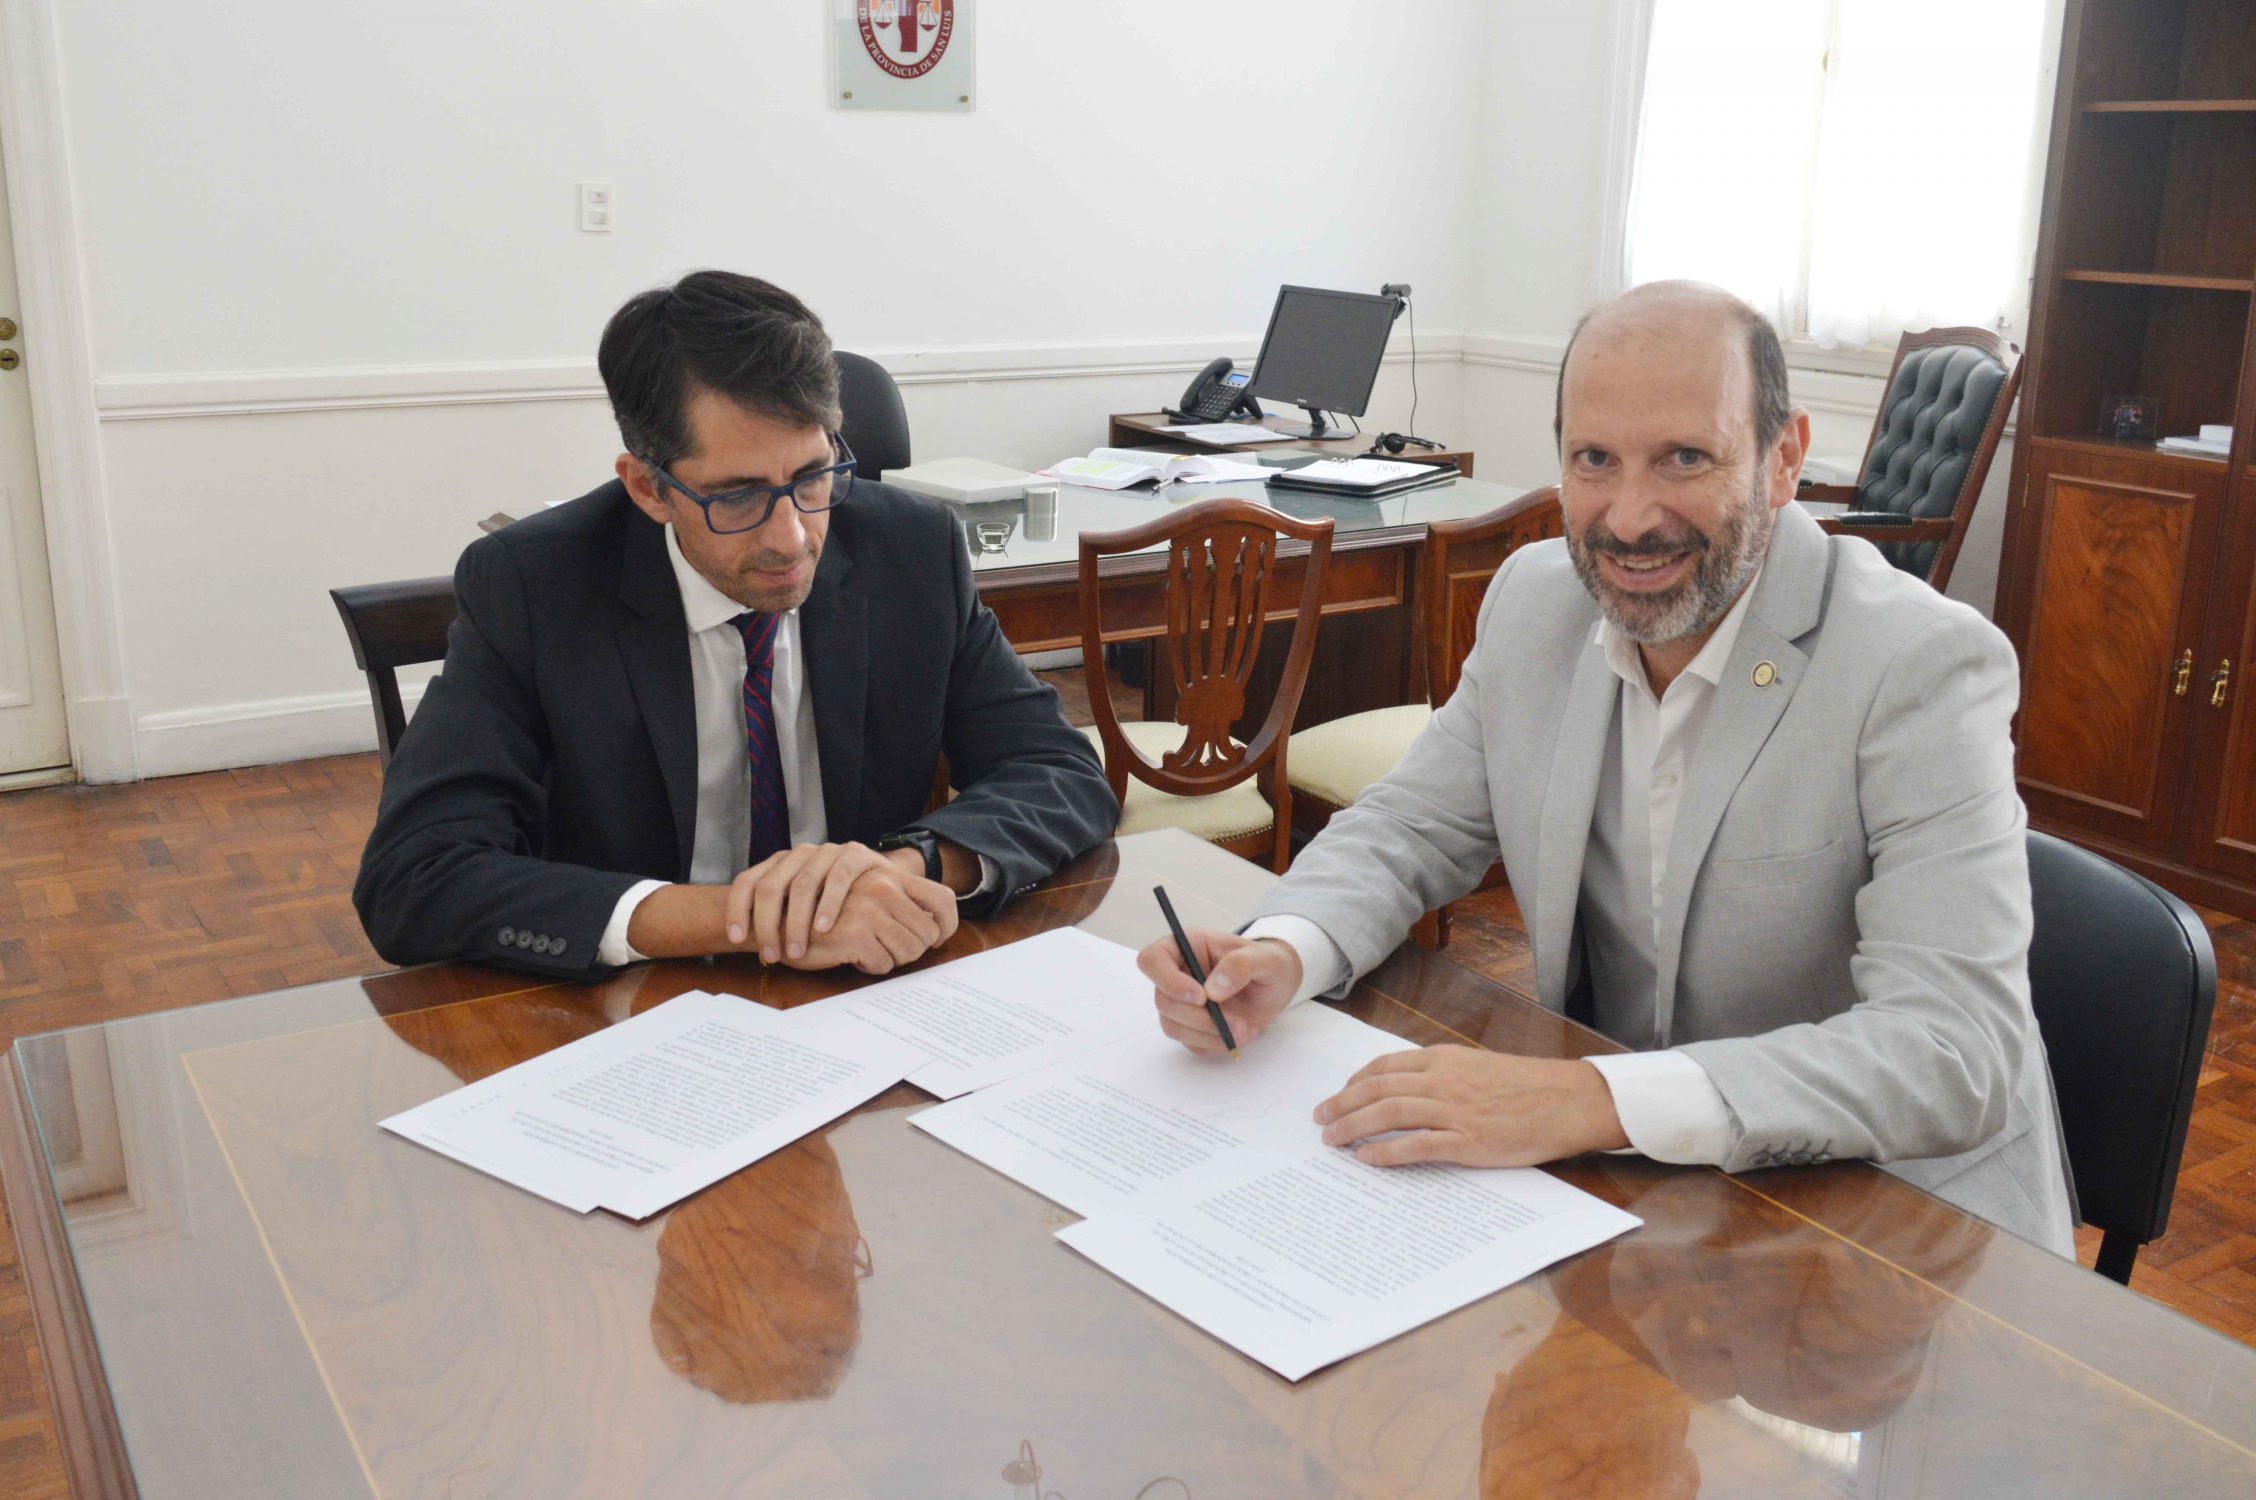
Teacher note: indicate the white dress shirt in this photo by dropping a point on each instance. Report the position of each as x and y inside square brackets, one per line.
[723, 842]
[1669, 1108]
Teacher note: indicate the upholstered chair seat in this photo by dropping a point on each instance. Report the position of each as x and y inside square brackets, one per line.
[1219, 817]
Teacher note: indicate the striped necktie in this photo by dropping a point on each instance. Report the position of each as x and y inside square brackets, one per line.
[771, 815]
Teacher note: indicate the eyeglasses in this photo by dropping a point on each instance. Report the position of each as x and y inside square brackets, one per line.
[748, 509]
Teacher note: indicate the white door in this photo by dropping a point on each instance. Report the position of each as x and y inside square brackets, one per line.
[31, 675]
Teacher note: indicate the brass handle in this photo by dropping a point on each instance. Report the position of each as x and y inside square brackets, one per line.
[2218, 681]
[2182, 678]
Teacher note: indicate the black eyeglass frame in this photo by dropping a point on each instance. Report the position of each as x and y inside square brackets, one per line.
[841, 475]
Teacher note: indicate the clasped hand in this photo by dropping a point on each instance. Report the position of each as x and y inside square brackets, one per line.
[1448, 1103]
[821, 905]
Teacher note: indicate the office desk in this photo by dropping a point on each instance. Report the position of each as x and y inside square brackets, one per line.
[1143, 429]
[245, 1289]
[1027, 570]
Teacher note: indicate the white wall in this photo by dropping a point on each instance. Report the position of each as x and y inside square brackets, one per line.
[340, 308]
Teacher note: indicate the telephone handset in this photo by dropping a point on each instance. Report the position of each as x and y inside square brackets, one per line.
[1218, 394]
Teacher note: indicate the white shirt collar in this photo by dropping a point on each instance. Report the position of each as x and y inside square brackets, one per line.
[703, 605]
[1622, 655]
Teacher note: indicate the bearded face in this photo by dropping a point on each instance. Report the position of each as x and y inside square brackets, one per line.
[1675, 580]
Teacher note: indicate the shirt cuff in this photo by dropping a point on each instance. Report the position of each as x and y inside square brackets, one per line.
[1670, 1108]
[989, 878]
[1323, 967]
[614, 951]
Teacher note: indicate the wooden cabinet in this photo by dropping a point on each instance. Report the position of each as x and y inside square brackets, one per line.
[2129, 577]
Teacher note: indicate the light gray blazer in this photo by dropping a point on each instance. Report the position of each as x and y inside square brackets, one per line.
[1844, 925]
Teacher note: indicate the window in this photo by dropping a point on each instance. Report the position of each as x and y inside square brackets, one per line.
[1853, 168]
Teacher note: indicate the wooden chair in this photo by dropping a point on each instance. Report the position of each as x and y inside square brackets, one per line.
[1222, 578]
[1333, 762]
[394, 625]
[1933, 437]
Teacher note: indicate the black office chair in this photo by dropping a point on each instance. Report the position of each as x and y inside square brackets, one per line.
[2124, 979]
[394, 625]
[876, 424]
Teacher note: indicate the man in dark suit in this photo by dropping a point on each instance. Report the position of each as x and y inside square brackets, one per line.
[699, 710]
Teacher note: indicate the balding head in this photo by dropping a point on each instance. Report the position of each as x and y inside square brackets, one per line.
[1675, 314]
[1677, 447]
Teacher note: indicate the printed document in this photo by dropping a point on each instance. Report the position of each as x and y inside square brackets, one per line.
[646, 1112]
[1300, 1259]
[994, 1015]
[1207, 1185]
[1092, 1134]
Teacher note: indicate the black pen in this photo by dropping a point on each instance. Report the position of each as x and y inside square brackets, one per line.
[1190, 961]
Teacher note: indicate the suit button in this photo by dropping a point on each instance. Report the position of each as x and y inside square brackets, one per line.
[506, 937]
[540, 945]
[1760, 1159]
[1821, 1156]
[556, 946]
[1800, 1158]
[524, 940]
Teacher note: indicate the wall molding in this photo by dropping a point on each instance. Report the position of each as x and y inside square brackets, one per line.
[51, 296]
[132, 398]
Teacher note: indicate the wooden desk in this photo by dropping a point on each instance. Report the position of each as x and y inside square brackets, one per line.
[1144, 429]
[1027, 571]
[290, 1303]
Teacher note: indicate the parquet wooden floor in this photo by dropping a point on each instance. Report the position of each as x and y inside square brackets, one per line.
[117, 901]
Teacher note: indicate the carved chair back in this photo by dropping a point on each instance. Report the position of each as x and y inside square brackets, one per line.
[1460, 559]
[1225, 565]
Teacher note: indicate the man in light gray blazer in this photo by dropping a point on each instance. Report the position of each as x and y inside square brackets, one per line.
[1754, 791]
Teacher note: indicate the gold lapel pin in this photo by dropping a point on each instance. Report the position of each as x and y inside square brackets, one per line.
[1765, 674]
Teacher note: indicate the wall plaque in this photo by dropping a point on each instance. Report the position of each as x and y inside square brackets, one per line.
[901, 54]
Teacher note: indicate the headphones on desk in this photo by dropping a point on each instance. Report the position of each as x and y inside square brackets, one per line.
[1395, 442]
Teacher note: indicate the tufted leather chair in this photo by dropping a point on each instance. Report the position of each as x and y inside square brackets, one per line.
[877, 424]
[1932, 441]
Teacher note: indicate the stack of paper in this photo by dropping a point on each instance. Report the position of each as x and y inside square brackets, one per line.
[2213, 441]
[644, 1113]
[1228, 434]
[1204, 1180]
[1118, 468]
[1207, 1185]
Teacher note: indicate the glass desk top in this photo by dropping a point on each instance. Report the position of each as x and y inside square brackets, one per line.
[1005, 534]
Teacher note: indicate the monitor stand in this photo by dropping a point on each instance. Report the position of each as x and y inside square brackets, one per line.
[1315, 427]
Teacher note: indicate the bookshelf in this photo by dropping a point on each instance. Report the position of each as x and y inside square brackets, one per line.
[2127, 574]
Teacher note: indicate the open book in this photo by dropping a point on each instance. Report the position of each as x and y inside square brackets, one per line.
[1118, 468]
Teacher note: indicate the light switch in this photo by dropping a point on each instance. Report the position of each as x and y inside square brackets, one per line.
[595, 207]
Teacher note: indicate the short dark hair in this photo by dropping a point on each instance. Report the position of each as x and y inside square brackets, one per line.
[738, 336]
[1774, 404]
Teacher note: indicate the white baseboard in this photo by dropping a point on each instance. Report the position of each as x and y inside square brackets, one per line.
[225, 736]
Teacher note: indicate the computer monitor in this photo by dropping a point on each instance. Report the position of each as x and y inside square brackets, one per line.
[1322, 352]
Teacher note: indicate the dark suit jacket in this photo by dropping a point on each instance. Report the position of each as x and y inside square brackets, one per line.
[553, 762]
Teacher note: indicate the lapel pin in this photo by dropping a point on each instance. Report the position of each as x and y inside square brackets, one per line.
[1765, 674]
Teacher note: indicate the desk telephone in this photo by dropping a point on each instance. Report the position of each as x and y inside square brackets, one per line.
[1218, 394]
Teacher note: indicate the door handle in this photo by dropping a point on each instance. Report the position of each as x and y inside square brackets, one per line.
[2182, 678]
[2218, 682]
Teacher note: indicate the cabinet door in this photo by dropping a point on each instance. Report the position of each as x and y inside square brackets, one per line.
[2116, 599]
[2224, 752]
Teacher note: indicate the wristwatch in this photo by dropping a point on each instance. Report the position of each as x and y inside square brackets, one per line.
[923, 840]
